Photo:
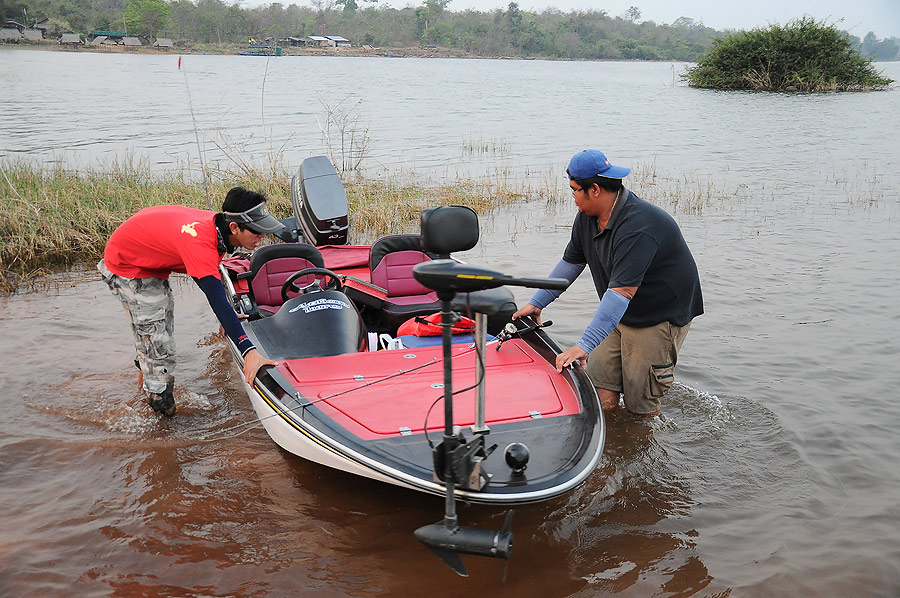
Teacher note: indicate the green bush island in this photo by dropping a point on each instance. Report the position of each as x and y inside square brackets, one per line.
[804, 55]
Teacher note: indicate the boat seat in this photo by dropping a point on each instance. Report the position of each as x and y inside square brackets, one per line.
[270, 266]
[391, 260]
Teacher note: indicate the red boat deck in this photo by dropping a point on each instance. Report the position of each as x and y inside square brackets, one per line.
[375, 395]
[352, 260]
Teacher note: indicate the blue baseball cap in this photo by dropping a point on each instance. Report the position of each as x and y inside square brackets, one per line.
[589, 163]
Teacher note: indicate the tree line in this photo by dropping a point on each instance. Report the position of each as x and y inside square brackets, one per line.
[551, 33]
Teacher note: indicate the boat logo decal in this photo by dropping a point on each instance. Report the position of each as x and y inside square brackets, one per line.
[320, 304]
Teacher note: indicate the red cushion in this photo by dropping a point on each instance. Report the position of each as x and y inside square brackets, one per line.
[268, 281]
[394, 273]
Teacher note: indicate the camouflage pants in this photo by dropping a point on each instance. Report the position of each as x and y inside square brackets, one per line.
[150, 307]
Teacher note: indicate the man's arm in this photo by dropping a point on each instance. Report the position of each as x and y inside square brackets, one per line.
[218, 301]
[608, 315]
[544, 297]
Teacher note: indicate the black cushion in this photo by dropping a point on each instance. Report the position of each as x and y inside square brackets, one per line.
[280, 250]
[448, 228]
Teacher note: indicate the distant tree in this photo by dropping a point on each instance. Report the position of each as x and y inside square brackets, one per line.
[323, 8]
[12, 10]
[633, 14]
[146, 17]
[876, 49]
[430, 11]
[56, 27]
[687, 23]
[440, 35]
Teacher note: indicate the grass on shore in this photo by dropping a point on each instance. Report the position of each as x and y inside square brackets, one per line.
[52, 218]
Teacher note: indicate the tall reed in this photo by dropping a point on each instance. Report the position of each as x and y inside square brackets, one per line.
[53, 218]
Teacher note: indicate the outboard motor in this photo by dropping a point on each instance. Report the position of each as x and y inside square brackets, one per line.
[320, 203]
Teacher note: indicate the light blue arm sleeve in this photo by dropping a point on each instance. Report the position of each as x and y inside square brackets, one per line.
[543, 297]
[609, 313]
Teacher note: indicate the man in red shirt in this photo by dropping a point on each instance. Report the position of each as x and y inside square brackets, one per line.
[157, 241]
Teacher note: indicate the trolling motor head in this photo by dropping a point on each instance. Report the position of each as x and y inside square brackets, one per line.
[446, 229]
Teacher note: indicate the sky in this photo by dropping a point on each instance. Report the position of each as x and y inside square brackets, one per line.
[859, 16]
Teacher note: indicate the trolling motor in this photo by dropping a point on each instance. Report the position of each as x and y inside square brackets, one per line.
[458, 462]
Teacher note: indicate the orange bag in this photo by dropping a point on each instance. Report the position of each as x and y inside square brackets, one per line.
[431, 326]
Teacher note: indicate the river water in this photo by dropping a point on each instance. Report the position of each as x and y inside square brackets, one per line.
[773, 470]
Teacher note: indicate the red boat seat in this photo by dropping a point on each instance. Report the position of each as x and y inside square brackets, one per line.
[271, 265]
[391, 260]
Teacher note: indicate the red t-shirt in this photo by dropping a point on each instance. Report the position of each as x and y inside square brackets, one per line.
[164, 239]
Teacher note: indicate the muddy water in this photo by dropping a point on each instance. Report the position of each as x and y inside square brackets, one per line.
[772, 471]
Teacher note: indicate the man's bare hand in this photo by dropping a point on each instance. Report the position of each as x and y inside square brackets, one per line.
[529, 310]
[570, 356]
[252, 362]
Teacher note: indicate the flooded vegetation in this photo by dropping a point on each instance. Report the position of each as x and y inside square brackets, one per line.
[804, 55]
[54, 218]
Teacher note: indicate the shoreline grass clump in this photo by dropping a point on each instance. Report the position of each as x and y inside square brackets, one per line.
[804, 55]
[54, 218]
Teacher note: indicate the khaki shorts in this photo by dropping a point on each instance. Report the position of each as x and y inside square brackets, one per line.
[638, 362]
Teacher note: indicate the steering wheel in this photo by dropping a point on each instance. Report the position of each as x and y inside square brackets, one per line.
[334, 281]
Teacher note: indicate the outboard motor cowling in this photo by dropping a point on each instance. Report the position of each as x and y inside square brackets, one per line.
[320, 203]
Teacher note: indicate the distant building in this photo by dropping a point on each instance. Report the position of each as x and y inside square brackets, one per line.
[113, 35]
[98, 40]
[131, 42]
[70, 39]
[330, 41]
[338, 41]
[10, 35]
[34, 35]
[163, 42]
[14, 24]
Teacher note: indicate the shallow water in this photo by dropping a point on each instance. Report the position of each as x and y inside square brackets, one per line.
[771, 472]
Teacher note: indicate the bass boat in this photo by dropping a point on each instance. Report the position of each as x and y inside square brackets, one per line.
[475, 412]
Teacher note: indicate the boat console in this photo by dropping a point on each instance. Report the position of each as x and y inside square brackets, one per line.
[317, 324]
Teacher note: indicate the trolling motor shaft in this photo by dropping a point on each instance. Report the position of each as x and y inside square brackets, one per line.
[446, 538]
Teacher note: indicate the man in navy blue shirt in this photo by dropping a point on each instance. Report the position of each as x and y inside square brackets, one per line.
[645, 276]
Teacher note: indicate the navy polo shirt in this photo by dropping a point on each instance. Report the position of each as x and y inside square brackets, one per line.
[642, 247]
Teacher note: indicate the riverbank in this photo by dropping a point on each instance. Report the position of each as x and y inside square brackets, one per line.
[51, 219]
[234, 49]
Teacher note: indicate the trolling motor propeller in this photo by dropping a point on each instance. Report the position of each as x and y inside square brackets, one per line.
[448, 542]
